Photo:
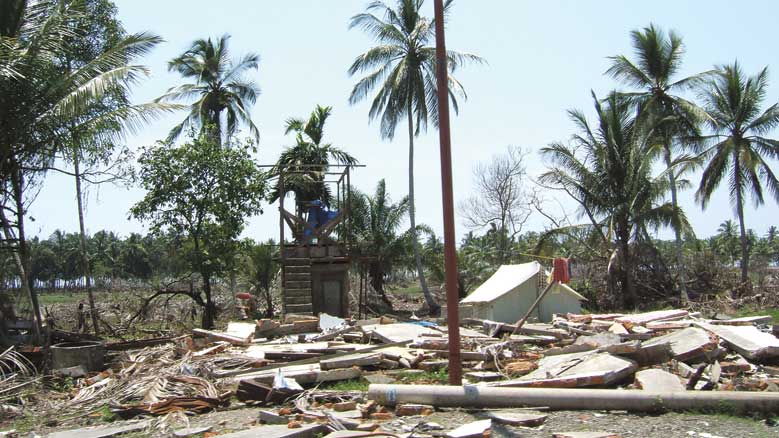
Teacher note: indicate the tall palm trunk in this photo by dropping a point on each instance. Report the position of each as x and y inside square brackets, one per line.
[685, 298]
[83, 244]
[25, 285]
[740, 212]
[431, 303]
[630, 299]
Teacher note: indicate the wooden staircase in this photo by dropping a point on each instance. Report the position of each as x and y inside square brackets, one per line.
[297, 286]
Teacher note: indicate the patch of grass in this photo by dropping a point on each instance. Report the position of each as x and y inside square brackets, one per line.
[346, 385]
[51, 298]
[751, 311]
[413, 289]
[25, 423]
[106, 415]
[436, 377]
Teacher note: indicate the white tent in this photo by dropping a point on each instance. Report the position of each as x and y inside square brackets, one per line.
[508, 294]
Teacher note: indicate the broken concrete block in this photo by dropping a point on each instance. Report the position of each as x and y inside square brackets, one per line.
[575, 370]
[618, 329]
[520, 367]
[400, 332]
[600, 340]
[76, 371]
[409, 410]
[748, 341]
[268, 417]
[359, 359]
[345, 406]
[747, 320]
[654, 379]
[659, 315]
[514, 418]
[280, 431]
[686, 344]
[475, 429]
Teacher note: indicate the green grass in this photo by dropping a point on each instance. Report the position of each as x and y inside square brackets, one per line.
[439, 377]
[751, 311]
[406, 290]
[51, 298]
[346, 385]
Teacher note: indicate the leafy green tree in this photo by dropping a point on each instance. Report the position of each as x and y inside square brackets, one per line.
[673, 119]
[402, 67]
[307, 161]
[220, 87]
[742, 150]
[202, 193]
[607, 170]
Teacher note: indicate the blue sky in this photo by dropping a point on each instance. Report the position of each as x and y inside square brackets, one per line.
[544, 57]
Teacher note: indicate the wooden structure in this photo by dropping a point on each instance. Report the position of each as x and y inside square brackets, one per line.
[315, 262]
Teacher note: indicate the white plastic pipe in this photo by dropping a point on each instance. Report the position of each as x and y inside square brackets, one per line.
[472, 396]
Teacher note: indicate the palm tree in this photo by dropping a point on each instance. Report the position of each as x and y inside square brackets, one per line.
[306, 163]
[40, 101]
[676, 120]
[608, 171]
[741, 151]
[219, 86]
[376, 220]
[402, 67]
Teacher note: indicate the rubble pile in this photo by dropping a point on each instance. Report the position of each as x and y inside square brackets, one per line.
[287, 365]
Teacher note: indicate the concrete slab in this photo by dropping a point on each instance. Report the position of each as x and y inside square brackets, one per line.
[575, 370]
[655, 379]
[686, 344]
[514, 418]
[400, 332]
[471, 430]
[658, 315]
[750, 342]
[101, 431]
[279, 431]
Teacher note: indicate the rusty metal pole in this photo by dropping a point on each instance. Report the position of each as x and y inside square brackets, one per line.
[450, 251]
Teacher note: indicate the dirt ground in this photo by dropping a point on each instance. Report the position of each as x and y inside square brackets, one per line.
[670, 425]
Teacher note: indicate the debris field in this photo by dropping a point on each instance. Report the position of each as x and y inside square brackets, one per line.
[651, 362]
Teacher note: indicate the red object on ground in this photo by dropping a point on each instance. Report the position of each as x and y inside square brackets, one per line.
[243, 296]
[560, 271]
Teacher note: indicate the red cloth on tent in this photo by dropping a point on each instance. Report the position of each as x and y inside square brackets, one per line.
[560, 271]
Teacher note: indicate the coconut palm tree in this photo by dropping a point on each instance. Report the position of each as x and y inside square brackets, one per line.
[218, 85]
[402, 68]
[608, 170]
[307, 161]
[40, 101]
[741, 151]
[376, 220]
[658, 58]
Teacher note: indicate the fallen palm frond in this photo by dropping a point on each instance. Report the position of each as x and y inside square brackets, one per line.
[153, 381]
[13, 363]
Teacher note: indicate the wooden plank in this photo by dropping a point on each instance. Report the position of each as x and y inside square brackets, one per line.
[220, 336]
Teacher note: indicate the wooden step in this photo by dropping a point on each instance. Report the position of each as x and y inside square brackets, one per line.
[299, 308]
[293, 269]
[291, 276]
[297, 262]
[298, 284]
[297, 291]
[297, 299]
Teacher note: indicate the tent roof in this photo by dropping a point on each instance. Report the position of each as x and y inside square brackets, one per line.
[504, 280]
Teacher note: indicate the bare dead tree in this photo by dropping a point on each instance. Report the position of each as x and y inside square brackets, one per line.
[502, 200]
